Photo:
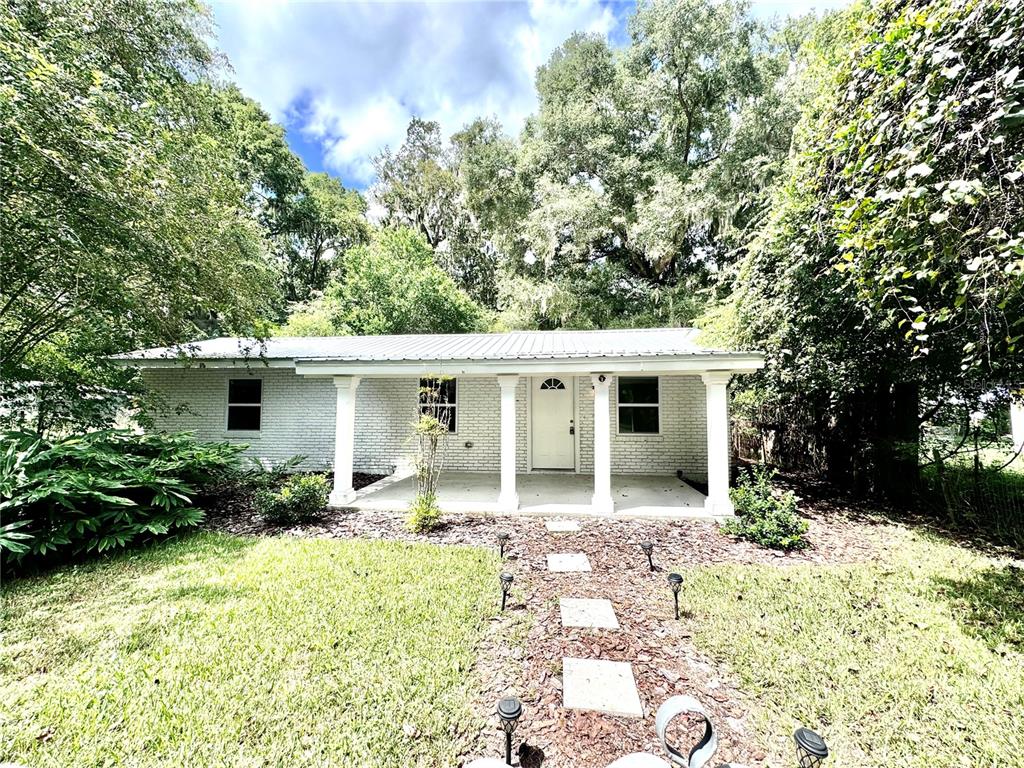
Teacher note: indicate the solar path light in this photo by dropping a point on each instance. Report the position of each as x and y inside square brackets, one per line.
[811, 749]
[509, 712]
[648, 549]
[675, 582]
[502, 543]
[506, 586]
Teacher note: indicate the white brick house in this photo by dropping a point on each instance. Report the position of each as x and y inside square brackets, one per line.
[585, 403]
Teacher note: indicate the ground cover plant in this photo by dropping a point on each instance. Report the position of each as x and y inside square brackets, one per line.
[299, 498]
[764, 515]
[100, 490]
[904, 662]
[224, 651]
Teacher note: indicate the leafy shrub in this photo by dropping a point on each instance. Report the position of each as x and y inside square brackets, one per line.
[424, 514]
[764, 516]
[99, 490]
[299, 498]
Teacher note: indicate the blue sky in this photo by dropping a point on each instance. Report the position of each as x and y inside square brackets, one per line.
[344, 78]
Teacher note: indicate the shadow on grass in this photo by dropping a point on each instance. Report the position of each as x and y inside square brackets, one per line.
[989, 605]
[143, 558]
[985, 534]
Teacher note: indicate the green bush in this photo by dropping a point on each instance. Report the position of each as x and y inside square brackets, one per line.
[764, 516]
[299, 498]
[99, 490]
[424, 514]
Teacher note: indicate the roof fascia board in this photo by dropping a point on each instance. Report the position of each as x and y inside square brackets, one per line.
[200, 362]
[734, 363]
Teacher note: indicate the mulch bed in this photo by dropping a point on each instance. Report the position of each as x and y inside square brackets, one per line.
[665, 663]
[664, 659]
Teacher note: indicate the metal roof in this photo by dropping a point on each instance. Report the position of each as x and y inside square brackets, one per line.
[514, 345]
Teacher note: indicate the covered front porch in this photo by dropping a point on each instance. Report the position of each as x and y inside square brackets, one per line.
[541, 493]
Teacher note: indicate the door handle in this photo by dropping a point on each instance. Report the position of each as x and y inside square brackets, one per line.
[572, 428]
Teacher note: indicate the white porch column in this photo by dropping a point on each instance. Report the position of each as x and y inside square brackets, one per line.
[602, 500]
[508, 499]
[344, 440]
[716, 386]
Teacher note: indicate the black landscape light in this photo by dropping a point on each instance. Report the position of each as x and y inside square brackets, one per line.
[506, 586]
[509, 712]
[502, 543]
[675, 581]
[648, 549]
[811, 749]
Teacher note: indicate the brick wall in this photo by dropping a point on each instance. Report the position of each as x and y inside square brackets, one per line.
[298, 418]
[298, 412]
[681, 444]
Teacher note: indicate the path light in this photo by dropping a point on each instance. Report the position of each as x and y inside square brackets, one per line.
[648, 549]
[502, 543]
[509, 711]
[811, 749]
[675, 581]
[506, 586]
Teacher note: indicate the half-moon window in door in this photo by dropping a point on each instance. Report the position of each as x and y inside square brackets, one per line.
[552, 384]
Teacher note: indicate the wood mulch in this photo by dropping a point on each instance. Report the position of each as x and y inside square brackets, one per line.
[523, 648]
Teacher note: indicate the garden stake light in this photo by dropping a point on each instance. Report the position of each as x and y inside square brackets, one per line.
[675, 581]
[502, 543]
[506, 585]
[509, 711]
[648, 549]
[811, 749]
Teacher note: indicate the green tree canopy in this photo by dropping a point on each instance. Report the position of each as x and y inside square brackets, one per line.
[126, 208]
[317, 225]
[392, 285]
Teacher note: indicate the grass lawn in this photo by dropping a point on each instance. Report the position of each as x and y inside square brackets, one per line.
[222, 651]
[915, 662]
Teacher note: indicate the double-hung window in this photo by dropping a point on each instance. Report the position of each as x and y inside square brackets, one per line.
[638, 405]
[245, 405]
[439, 398]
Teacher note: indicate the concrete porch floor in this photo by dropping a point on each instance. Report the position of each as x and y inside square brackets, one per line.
[541, 493]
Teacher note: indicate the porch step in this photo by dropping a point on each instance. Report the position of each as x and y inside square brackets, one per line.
[600, 686]
[562, 526]
[596, 614]
[568, 562]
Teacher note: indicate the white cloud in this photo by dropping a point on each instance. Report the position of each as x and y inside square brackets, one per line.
[351, 75]
[346, 77]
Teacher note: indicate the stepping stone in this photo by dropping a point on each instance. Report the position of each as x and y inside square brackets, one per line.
[562, 526]
[577, 612]
[601, 686]
[568, 562]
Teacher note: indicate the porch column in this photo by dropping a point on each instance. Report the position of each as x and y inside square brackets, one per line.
[508, 498]
[344, 439]
[602, 500]
[716, 387]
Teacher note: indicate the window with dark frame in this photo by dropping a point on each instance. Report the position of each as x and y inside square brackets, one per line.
[438, 397]
[245, 405]
[638, 405]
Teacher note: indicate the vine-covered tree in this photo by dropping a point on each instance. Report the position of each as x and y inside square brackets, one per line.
[889, 280]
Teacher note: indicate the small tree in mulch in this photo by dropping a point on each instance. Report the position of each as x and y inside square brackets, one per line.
[431, 430]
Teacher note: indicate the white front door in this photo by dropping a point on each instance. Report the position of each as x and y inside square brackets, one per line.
[553, 429]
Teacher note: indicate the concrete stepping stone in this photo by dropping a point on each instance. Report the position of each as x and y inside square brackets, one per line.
[568, 562]
[600, 686]
[578, 612]
[562, 526]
